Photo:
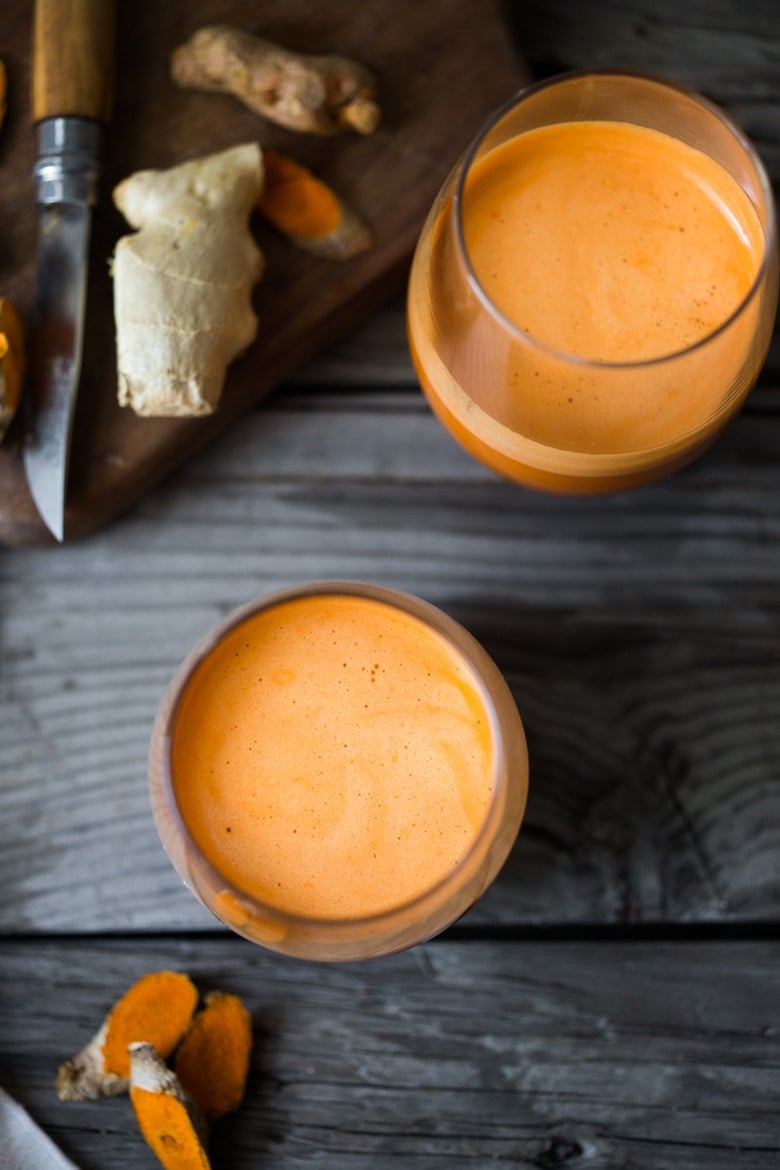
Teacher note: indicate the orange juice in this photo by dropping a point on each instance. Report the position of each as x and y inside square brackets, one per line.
[336, 758]
[585, 310]
[610, 242]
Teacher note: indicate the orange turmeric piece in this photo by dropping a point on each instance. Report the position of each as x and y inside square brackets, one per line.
[157, 1009]
[3, 91]
[307, 211]
[166, 1114]
[315, 95]
[212, 1062]
[11, 363]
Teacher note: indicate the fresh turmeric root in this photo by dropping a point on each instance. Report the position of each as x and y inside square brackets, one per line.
[315, 95]
[212, 1062]
[307, 211]
[166, 1114]
[3, 90]
[11, 363]
[173, 1108]
[157, 1009]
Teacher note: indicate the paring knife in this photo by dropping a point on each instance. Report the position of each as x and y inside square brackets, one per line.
[72, 96]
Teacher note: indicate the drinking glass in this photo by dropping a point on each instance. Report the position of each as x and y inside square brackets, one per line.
[539, 413]
[402, 920]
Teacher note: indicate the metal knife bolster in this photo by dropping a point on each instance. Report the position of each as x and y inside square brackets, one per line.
[67, 170]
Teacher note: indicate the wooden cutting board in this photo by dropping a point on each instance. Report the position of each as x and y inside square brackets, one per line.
[442, 66]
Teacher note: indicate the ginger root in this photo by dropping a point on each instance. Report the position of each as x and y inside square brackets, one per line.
[308, 212]
[315, 95]
[158, 1008]
[183, 282]
[212, 1062]
[11, 363]
[166, 1114]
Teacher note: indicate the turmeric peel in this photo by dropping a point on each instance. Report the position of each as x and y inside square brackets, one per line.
[212, 1062]
[312, 94]
[168, 1118]
[157, 1009]
[308, 211]
[11, 362]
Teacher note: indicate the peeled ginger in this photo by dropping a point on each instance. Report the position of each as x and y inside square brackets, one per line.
[183, 282]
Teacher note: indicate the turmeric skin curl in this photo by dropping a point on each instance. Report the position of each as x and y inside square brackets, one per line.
[157, 1009]
[212, 1062]
[11, 363]
[11, 336]
[166, 1114]
[307, 211]
[173, 1108]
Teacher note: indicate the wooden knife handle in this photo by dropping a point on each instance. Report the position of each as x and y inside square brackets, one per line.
[73, 59]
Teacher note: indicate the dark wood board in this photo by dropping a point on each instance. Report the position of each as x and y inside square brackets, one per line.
[442, 67]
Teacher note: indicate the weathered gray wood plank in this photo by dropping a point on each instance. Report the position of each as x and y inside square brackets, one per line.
[642, 638]
[728, 51]
[641, 635]
[632, 1055]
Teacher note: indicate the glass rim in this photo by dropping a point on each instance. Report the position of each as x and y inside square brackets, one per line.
[699, 99]
[458, 639]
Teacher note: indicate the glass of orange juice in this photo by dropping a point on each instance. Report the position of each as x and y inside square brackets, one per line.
[338, 770]
[594, 291]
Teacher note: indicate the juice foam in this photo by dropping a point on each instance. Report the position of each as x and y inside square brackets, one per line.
[610, 241]
[332, 757]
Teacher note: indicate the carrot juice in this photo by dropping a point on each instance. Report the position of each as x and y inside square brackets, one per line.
[593, 296]
[339, 772]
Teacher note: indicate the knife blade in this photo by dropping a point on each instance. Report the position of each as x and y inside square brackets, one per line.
[72, 98]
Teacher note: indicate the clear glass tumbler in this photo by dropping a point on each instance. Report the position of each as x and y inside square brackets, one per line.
[543, 386]
[312, 752]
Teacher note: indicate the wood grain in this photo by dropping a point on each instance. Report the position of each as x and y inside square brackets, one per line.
[634, 1055]
[730, 52]
[640, 634]
[432, 107]
[74, 50]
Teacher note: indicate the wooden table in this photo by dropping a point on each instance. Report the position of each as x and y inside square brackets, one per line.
[614, 1000]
